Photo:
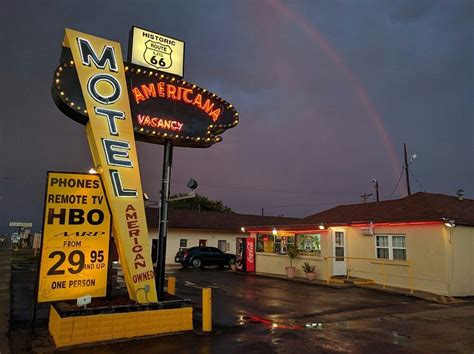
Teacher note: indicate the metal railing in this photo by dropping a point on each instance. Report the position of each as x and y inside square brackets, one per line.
[382, 262]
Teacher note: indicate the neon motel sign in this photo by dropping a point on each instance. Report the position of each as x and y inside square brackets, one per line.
[119, 102]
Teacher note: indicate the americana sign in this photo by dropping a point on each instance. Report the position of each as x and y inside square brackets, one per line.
[75, 242]
[156, 51]
[162, 106]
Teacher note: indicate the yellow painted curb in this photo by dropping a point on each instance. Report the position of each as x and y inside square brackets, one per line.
[362, 282]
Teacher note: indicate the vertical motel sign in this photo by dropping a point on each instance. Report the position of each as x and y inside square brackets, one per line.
[101, 74]
[119, 102]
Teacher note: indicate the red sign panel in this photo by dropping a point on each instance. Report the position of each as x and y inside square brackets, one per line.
[250, 255]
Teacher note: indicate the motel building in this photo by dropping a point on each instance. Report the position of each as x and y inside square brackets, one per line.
[423, 242]
[190, 228]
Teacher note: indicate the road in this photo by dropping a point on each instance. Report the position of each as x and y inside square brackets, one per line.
[259, 314]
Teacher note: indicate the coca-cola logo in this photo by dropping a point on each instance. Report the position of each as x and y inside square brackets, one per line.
[250, 247]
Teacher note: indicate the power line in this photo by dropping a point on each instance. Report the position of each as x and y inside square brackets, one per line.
[301, 205]
[418, 182]
[396, 186]
[262, 189]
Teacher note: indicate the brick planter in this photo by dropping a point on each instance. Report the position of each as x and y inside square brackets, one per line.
[71, 327]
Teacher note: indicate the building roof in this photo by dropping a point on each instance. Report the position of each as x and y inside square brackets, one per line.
[212, 220]
[417, 207]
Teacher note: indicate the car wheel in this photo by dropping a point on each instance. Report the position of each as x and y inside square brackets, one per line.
[196, 263]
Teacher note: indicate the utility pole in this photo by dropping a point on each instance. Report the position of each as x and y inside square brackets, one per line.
[263, 211]
[365, 196]
[377, 197]
[406, 168]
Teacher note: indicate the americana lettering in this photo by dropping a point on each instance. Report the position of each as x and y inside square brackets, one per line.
[134, 233]
[177, 93]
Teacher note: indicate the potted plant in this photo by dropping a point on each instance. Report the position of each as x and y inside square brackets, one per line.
[309, 270]
[232, 264]
[293, 252]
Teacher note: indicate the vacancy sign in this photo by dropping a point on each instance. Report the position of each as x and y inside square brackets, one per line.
[76, 233]
[156, 51]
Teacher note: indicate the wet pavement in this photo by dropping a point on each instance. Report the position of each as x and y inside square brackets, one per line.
[259, 314]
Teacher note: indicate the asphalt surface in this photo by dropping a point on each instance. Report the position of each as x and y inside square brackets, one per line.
[253, 314]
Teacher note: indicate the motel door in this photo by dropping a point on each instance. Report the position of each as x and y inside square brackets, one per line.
[339, 252]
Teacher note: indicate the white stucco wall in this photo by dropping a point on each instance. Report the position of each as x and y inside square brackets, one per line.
[193, 236]
[460, 263]
[442, 258]
[425, 249]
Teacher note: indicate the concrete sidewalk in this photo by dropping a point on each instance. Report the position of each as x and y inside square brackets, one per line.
[5, 268]
[370, 286]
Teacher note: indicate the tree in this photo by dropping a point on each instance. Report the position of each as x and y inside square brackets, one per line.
[199, 202]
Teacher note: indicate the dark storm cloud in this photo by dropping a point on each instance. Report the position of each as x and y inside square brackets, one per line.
[306, 135]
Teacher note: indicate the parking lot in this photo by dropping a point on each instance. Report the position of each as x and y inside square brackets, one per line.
[256, 313]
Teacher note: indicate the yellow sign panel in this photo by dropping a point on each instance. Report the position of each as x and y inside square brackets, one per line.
[156, 51]
[76, 235]
[101, 73]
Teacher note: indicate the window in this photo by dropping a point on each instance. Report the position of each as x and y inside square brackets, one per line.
[339, 246]
[309, 244]
[390, 247]
[274, 244]
[183, 243]
[222, 245]
[265, 243]
[399, 249]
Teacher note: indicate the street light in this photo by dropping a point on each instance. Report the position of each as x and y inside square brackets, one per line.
[449, 223]
[192, 184]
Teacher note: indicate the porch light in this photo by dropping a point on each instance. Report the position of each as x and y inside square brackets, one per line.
[321, 226]
[274, 232]
[449, 223]
[242, 229]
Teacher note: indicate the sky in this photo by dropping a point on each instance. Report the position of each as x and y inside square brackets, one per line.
[327, 92]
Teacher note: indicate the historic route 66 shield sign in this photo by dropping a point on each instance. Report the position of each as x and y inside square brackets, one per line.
[158, 55]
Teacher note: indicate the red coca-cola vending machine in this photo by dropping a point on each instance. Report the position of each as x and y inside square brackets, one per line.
[245, 254]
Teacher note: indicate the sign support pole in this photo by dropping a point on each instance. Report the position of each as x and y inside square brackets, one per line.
[38, 265]
[163, 227]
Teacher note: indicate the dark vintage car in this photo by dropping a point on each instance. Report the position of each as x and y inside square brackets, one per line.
[198, 257]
